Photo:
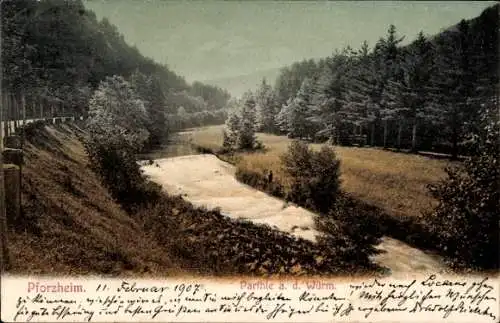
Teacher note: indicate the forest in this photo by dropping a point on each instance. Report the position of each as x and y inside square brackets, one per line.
[55, 53]
[428, 95]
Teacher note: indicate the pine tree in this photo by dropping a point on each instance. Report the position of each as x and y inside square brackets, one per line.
[246, 138]
[281, 119]
[390, 58]
[407, 97]
[454, 84]
[290, 79]
[299, 112]
[331, 110]
[231, 131]
[322, 116]
[357, 101]
[149, 90]
[354, 92]
[267, 108]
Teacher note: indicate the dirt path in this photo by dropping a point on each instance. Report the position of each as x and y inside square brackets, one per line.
[207, 181]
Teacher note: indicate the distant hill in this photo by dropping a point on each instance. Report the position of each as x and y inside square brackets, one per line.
[237, 85]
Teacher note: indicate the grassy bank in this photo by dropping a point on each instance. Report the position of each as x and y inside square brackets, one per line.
[70, 223]
[394, 182]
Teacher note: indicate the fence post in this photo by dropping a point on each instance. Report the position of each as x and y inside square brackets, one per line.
[4, 261]
[23, 103]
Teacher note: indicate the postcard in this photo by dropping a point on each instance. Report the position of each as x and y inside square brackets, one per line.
[249, 161]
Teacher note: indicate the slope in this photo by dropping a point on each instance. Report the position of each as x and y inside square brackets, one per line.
[70, 224]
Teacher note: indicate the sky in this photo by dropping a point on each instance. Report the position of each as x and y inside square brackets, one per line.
[210, 40]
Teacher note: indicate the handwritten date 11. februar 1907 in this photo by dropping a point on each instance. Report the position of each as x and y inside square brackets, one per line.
[372, 300]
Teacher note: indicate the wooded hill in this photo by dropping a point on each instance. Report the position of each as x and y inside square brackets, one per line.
[428, 95]
[56, 52]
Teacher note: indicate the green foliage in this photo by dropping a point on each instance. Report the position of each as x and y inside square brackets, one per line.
[314, 176]
[56, 52]
[260, 182]
[241, 125]
[182, 120]
[248, 120]
[116, 132]
[466, 221]
[290, 79]
[296, 114]
[267, 108]
[424, 95]
[350, 229]
[215, 97]
[231, 132]
[150, 92]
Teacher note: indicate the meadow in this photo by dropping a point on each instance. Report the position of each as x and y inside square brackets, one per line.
[395, 182]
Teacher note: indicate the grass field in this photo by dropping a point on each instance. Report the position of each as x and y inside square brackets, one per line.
[396, 182]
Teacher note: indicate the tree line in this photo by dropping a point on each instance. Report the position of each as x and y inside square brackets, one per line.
[427, 95]
[55, 53]
[437, 93]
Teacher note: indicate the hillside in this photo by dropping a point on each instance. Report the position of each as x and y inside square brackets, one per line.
[55, 53]
[72, 224]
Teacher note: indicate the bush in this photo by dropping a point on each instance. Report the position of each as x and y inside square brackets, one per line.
[260, 182]
[350, 228]
[314, 176]
[466, 221]
[118, 170]
[116, 132]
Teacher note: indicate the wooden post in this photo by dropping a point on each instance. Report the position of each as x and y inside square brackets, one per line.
[15, 106]
[6, 117]
[23, 103]
[10, 114]
[4, 112]
[12, 188]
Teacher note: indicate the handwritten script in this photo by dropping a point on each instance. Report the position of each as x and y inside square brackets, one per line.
[431, 298]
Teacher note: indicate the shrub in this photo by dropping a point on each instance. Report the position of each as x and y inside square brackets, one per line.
[466, 221]
[116, 132]
[350, 229]
[314, 176]
[260, 182]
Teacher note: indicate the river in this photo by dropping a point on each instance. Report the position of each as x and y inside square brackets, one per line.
[205, 180]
